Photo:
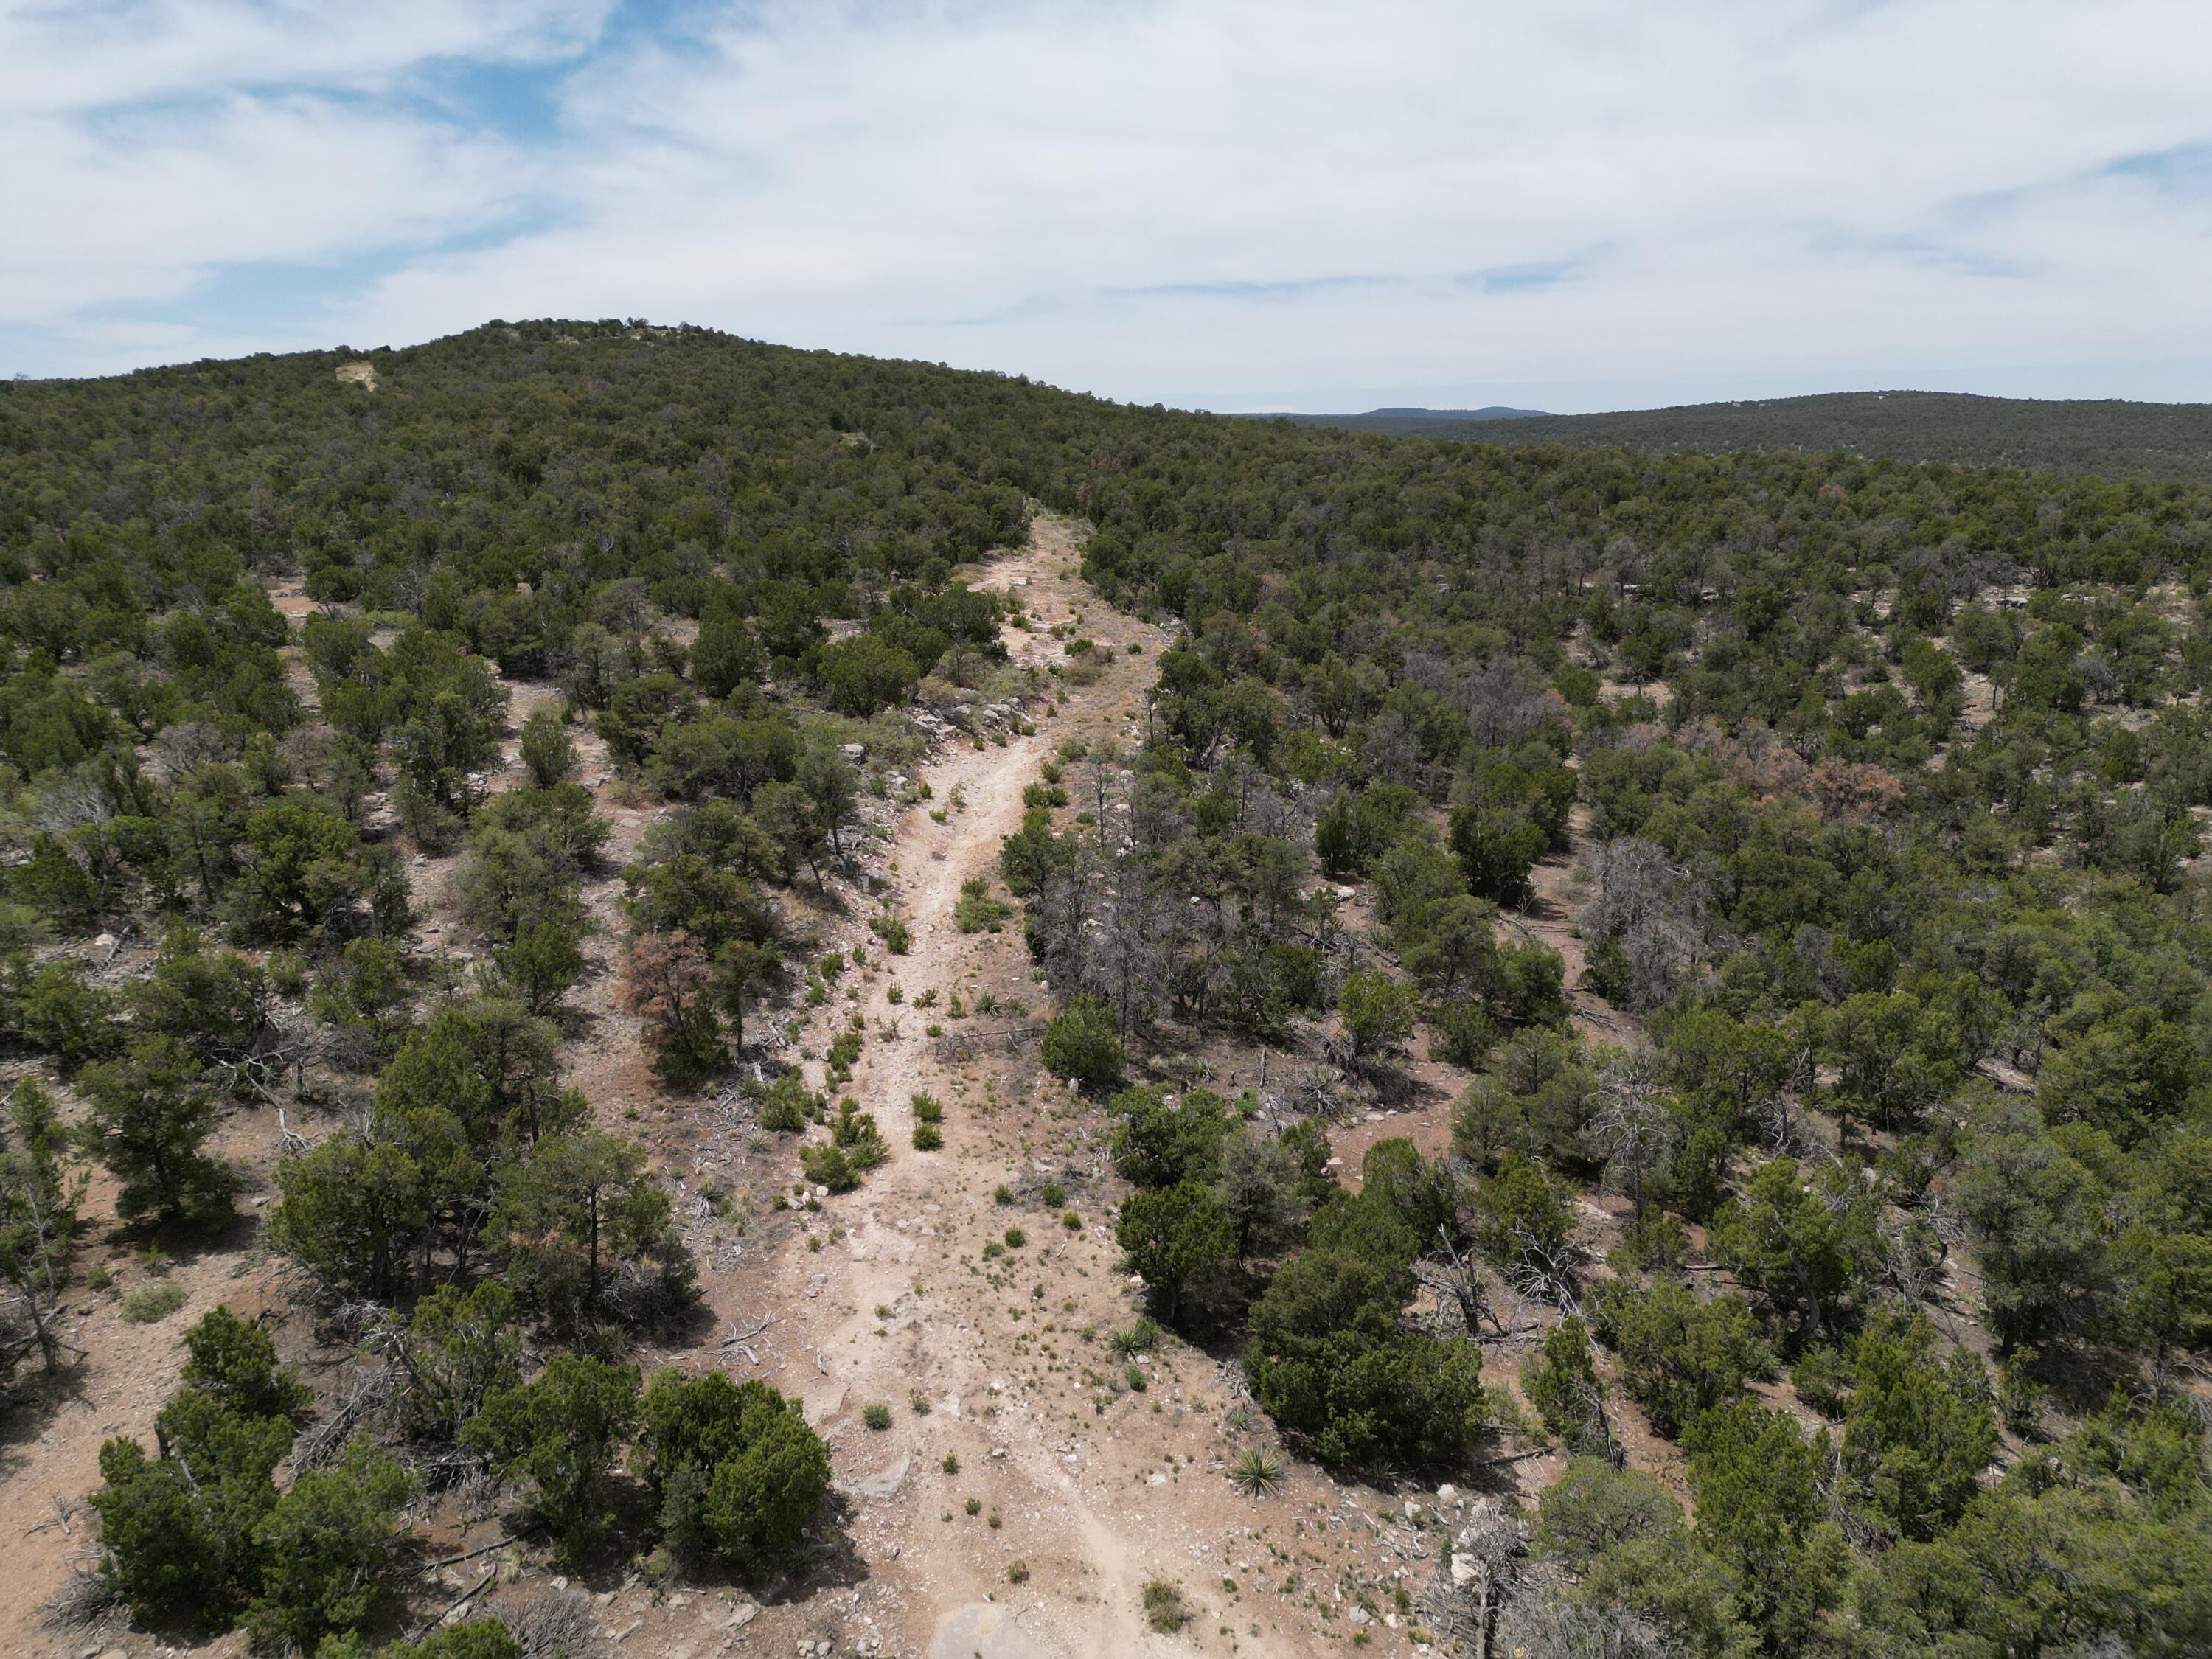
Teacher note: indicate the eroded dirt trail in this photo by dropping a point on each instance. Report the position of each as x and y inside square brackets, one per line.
[997, 1363]
[912, 1236]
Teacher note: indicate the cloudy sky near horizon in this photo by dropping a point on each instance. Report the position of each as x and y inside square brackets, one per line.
[1228, 203]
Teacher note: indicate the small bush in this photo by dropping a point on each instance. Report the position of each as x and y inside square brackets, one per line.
[1016, 1238]
[788, 1104]
[927, 1137]
[1822, 1377]
[1257, 1472]
[877, 1417]
[855, 1135]
[155, 1302]
[927, 1108]
[977, 912]
[1084, 1044]
[1163, 1608]
[1052, 1194]
[1017, 1572]
[827, 1166]
[1072, 1222]
[1142, 1337]
[952, 1463]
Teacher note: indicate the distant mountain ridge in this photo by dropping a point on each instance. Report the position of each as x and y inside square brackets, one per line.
[2108, 436]
[1414, 422]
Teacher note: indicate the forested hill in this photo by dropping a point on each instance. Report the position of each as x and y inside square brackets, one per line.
[2105, 435]
[1857, 1102]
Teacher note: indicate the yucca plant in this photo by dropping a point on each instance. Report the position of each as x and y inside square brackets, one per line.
[1257, 1472]
[1135, 1339]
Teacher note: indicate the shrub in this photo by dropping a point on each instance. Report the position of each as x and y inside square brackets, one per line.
[479, 1638]
[1163, 1607]
[927, 1137]
[234, 1361]
[977, 912]
[1678, 1356]
[150, 1118]
[788, 1104]
[1562, 1384]
[1378, 1015]
[180, 1531]
[734, 1466]
[827, 1166]
[559, 1432]
[1084, 1044]
[144, 1307]
[330, 1543]
[1140, 1337]
[459, 1347]
[877, 1417]
[1017, 1572]
[1257, 1472]
[854, 1133]
[669, 985]
[548, 754]
[1329, 1360]
[1183, 1246]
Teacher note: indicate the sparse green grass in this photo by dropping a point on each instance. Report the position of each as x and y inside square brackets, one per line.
[144, 1307]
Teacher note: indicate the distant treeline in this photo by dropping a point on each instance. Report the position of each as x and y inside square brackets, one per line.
[2103, 436]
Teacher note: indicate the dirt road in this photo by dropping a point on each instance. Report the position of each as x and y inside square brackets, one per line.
[1086, 1488]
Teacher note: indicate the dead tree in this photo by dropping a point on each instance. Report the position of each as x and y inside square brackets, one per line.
[1484, 1560]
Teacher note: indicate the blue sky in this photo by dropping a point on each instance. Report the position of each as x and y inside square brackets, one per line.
[1227, 204]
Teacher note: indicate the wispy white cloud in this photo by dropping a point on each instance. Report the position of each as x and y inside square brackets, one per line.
[65, 57]
[1220, 201]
